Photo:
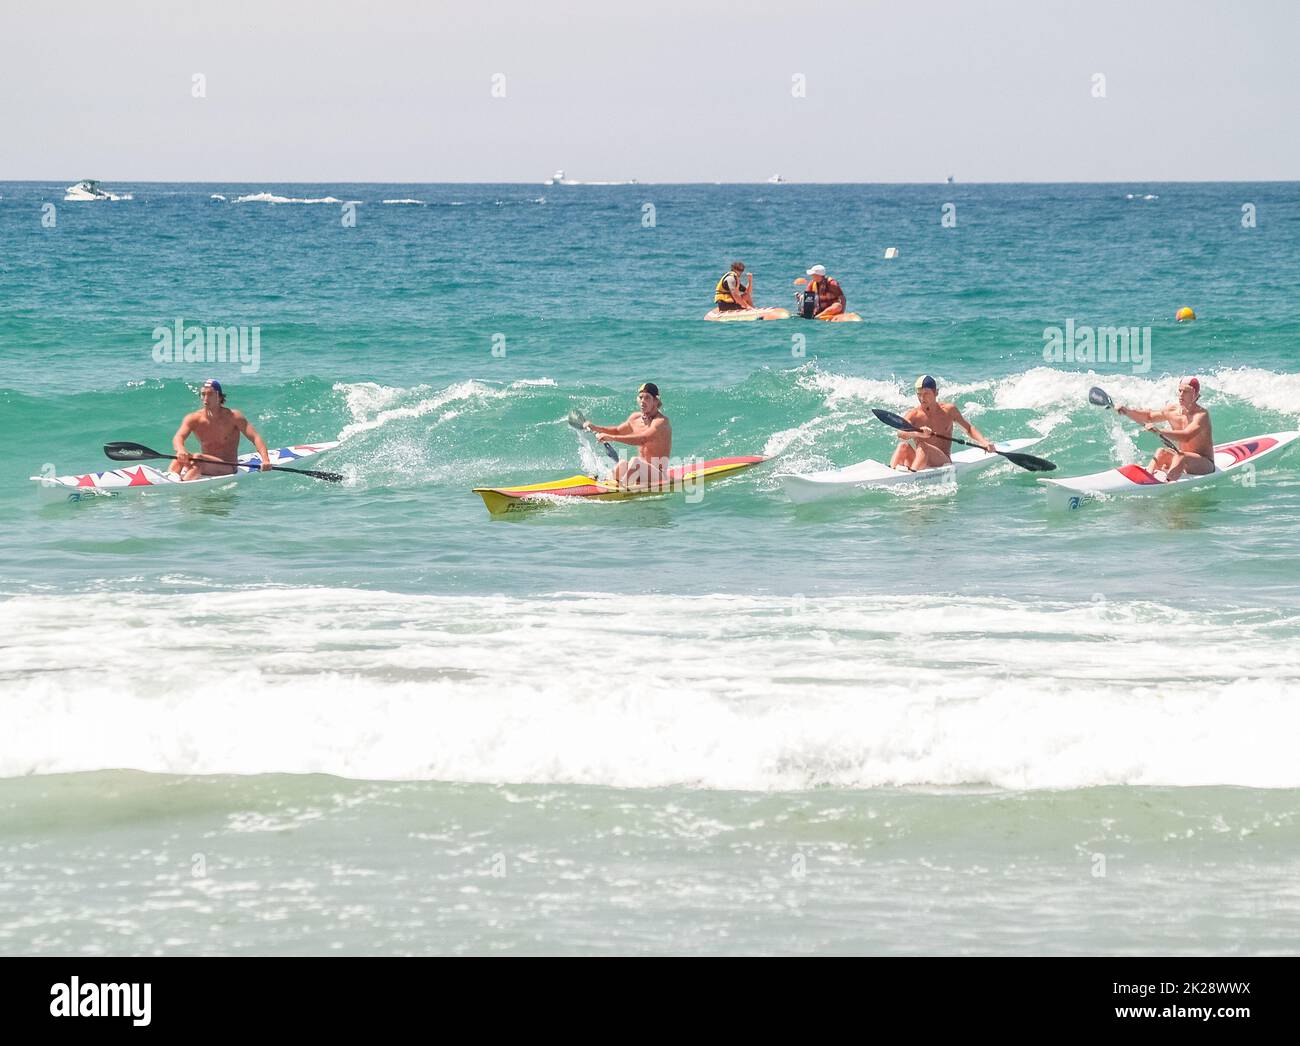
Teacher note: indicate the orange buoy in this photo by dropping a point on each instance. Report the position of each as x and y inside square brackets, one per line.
[1185, 313]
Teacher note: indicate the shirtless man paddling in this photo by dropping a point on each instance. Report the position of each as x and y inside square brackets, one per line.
[926, 448]
[218, 429]
[1189, 427]
[650, 432]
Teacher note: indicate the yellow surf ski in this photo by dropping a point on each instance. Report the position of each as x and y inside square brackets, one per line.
[505, 499]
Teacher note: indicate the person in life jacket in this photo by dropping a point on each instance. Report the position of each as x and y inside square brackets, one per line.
[823, 296]
[730, 295]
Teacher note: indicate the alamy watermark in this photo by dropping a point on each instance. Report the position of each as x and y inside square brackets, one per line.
[670, 476]
[72, 998]
[1114, 345]
[190, 343]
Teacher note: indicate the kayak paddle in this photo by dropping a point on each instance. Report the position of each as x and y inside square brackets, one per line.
[139, 452]
[1098, 398]
[577, 420]
[1025, 461]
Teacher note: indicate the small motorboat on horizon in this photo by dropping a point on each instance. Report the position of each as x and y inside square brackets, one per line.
[89, 189]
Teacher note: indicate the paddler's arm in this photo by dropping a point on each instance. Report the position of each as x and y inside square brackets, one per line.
[1142, 417]
[254, 437]
[638, 438]
[1194, 429]
[972, 431]
[183, 456]
[616, 430]
[919, 427]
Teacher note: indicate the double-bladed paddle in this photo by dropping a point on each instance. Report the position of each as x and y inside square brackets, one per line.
[1098, 398]
[139, 452]
[1025, 461]
[577, 420]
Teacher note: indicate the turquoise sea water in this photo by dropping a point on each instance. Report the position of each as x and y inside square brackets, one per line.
[393, 723]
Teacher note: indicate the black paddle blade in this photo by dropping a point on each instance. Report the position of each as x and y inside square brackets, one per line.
[1028, 461]
[329, 477]
[131, 452]
[892, 420]
[1098, 398]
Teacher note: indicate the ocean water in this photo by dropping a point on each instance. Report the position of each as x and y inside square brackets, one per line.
[293, 717]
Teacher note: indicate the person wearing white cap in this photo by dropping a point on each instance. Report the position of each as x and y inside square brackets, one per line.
[1189, 427]
[823, 296]
[218, 429]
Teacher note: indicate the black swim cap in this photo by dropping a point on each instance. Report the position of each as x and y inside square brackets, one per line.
[651, 388]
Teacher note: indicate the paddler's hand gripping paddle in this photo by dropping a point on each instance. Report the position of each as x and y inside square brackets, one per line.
[139, 452]
[1098, 398]
[577, 421]
[1025, 461]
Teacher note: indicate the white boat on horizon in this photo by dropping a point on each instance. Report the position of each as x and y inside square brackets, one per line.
[89, 189]
[558, 178]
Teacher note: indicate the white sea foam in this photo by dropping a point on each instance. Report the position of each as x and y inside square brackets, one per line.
[420, 202]
[1045, 388]
[1044, 425]
[266, 197]
[1260, 388]
[844, 391]
[373, 405]
[713, 692]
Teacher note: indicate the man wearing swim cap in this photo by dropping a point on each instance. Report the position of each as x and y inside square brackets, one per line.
[649, 430]
[218, 429]
[930, 446]
[1189, 427]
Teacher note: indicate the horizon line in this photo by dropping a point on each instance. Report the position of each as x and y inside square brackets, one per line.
[636, 184]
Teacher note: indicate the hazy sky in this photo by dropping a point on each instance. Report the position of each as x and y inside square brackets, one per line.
[663, 91]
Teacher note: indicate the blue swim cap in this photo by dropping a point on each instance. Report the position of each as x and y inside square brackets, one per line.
[212, 383]
[926, 382]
